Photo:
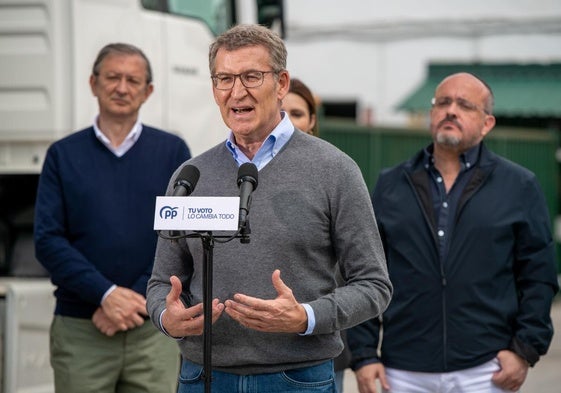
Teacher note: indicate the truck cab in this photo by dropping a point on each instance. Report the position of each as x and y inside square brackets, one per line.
[47, 48]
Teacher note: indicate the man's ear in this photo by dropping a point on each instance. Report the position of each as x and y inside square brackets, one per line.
[93, 80]
[488, 124]
[284, 84]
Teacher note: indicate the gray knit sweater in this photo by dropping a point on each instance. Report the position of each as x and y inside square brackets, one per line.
[310, 210]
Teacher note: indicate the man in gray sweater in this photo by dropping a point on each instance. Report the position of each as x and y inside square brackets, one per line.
[278, 310]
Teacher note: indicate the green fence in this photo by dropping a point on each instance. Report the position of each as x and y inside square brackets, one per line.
[376, 148]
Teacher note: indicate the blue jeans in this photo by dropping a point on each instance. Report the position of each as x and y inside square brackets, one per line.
[339, 377]
[315, 379]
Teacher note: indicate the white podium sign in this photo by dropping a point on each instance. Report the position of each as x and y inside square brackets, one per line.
[196, 213]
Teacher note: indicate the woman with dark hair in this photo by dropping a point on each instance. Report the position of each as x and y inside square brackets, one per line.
[300, 105]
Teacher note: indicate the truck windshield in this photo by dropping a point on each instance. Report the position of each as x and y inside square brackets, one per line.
[217, 14]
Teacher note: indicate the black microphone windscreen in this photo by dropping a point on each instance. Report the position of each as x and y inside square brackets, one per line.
[247, 172]
[187, 178]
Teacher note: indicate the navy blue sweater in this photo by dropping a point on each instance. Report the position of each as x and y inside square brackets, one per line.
[95, 211]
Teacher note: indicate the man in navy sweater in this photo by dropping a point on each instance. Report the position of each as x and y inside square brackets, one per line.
[93, 233]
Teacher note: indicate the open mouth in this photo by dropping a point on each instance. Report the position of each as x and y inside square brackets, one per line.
[242, 110]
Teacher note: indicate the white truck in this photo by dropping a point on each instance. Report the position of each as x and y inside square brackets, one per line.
[47, 48]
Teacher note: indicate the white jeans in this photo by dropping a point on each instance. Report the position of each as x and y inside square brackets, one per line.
[471, 380]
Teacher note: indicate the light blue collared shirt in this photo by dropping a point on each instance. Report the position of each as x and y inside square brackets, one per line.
[270, 147]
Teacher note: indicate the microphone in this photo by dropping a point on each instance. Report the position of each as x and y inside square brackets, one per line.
[186, 181]
[184, 185]
[247, 182]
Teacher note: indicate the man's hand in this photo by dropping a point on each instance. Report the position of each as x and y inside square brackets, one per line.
[102, 322]
[281, 315]
[513, 371]
[125, 308]
[180, 321]
[367, 375]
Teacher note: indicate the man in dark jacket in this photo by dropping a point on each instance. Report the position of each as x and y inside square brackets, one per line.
[470, 253]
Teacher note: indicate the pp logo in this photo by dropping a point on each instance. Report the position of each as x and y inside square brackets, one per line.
[168, 212]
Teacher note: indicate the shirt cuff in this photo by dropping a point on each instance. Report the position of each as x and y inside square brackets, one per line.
[163, 329]
[108, 292]
[311, 319]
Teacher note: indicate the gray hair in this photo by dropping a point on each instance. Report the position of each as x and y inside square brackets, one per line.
[123, 49]
[242, 36]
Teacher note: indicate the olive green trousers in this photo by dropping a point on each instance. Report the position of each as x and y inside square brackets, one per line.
[84, 360]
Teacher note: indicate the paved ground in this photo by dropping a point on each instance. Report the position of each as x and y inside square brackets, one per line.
[545, 377]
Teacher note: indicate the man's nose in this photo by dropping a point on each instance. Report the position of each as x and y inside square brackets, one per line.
[122, 86]
[238, 90]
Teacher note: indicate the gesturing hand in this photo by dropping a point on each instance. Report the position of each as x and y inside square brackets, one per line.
[280, 315]
[180, 321]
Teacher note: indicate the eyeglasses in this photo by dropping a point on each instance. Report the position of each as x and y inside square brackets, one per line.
[465, 105]
[249, 79]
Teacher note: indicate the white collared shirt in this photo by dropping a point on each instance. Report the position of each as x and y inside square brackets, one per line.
[127, 144]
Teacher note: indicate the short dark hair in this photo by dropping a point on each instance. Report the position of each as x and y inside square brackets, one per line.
[241, 36]
[125, 49]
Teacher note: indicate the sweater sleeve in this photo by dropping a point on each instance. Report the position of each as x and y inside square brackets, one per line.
[356, 240]
[364, 339]
[68, 267]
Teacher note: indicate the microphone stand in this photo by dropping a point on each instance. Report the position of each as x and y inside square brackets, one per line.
[208, 241]
[208, 247]
[185, 184]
